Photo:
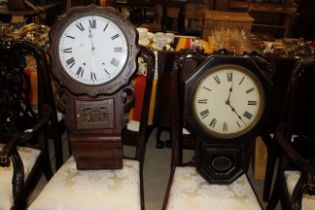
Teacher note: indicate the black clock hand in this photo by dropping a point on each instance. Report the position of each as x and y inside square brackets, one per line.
[229, 96]
[91, 38]
[233, 110]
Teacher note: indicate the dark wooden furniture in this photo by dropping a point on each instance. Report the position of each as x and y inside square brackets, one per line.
[23, 128]
[132, 129]
[140, 12]
[279, 73]
[276, 19]
[304, 25]
[163, 118]
[186, 187]
[295, 135]
[108, 189]
[47, 12]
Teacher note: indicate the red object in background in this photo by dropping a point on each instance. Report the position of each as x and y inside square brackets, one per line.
[139, 86]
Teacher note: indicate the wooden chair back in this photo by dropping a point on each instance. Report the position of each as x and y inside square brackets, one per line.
[21, 123]
[295, 136]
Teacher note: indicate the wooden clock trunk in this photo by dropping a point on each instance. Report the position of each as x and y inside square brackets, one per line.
[95, 131]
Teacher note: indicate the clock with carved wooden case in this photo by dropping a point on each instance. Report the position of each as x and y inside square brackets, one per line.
[226, 100]
[93, 56]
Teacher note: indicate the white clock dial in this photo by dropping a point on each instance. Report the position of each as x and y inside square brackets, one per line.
[93, 50]
[228, 102]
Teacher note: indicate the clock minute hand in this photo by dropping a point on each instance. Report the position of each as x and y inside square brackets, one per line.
[233, 110]
[229, 96]
[91, 38]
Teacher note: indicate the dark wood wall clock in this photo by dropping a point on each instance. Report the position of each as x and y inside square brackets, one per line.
[226, 101]
[93, 56]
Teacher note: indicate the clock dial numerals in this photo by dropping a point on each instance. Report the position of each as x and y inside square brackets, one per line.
[205, 113]
[106, 25]
[86, 49]
[67, 50]
[203, 101]
[71, 37]
[241, 81]
[225, 126]
[247, 115]
[253, 103]
[114, 62]
[213, 123]
[92, 23]
[80, 72]
[115, 36]
[93, 76]
[229, 76]
[235, 107]
[70, 62]
[118, 49]
[217, 80]
[80, 26]
[106, 72]
[206, 88]
[250, 90]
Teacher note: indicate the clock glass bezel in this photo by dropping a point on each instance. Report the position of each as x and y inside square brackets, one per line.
[72, 21]
[213, 70]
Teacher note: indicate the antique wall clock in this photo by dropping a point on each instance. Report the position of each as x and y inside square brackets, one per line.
[93, 56]
[226, 100]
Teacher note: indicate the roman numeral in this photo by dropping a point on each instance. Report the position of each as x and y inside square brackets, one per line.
[250, 90]
[93, 76]
[252, 103]
[225, 127]
[241, 81]
[229, 76]
[80, 26]
[247, 115]
[80, 72]
[71, 37]
[92, 23]
[118, 49]
[105, 27]
[216, 78]
[205, 113]
[114, 62]
[238, 124]
[115, 36]
[70, 62]
[206, 88]
[213, 122]
[67, 50]
[106, 72]
[202, 101]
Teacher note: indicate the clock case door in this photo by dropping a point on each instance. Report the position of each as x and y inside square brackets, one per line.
[94, 115]
[222, 160]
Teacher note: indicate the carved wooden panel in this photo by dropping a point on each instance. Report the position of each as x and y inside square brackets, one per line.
[95, 114]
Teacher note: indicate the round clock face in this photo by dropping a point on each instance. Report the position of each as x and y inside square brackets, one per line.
[228, 101]
[92, 50]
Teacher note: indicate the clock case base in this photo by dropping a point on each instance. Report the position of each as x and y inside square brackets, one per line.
[97, 152]
[222, 163]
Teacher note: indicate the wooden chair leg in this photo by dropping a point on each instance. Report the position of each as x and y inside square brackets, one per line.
[159, 142]
[46, 164]
[270, 168]
[58, 151]
[275, 196]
